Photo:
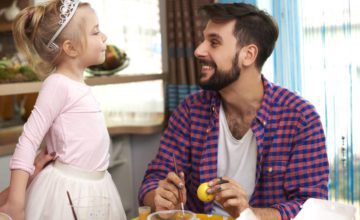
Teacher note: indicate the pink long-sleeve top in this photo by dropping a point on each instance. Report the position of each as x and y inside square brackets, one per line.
[67, 116]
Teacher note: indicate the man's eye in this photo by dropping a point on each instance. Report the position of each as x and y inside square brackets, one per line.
[214, 43]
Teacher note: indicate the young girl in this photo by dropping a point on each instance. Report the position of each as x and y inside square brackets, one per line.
[62, 37]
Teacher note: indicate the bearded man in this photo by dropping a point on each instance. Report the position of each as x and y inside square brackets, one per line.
[260, 146]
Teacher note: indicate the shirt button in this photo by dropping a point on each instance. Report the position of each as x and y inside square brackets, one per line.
[212, 108]
[207, 130]
[270, 169]
[264, 123]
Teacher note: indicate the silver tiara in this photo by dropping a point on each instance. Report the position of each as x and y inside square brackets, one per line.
[67, 11]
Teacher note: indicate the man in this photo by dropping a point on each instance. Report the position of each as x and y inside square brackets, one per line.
[265, 141]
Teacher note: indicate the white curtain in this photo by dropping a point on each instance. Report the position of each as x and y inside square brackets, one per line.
[331, 80]
[317, 56]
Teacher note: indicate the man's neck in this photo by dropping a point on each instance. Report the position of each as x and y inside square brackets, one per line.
[241, 100]
[243, 97]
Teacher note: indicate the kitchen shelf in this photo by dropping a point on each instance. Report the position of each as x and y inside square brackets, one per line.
[5, 27]
[6, 5]
[33, 87]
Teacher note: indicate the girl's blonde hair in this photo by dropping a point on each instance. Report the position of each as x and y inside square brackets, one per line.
[33, 28]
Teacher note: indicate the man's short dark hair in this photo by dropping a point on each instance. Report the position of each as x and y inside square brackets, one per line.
[253, 26]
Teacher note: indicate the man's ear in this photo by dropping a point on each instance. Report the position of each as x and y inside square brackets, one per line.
[249, 54]
[69, 49]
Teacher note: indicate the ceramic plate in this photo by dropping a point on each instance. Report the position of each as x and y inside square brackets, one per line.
[108, 72]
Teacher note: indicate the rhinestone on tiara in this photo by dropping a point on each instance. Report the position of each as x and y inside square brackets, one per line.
[67, 11]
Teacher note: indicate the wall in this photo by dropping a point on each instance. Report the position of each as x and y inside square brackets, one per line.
[4, 172]
[144, 148]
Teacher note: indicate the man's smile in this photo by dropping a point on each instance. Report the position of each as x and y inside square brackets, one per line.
[207, 66]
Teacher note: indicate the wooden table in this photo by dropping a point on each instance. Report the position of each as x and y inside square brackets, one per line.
[207, 217]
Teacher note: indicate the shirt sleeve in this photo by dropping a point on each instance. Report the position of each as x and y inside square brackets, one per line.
[48, 106]
[175, 140]
[308, 170]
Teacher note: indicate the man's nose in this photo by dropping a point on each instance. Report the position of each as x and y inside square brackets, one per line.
[200, 51]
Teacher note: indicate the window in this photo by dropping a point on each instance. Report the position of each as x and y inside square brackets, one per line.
[331, 80]
[137, 104]
[135, 27]
[329, 36]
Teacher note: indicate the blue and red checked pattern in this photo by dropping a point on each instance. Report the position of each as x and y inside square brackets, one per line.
[292, 163]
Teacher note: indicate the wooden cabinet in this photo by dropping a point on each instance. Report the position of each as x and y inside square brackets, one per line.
[9, 136]
[9, 9]
[5, 27]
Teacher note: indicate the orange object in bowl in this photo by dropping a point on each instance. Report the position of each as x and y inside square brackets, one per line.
[172, 215]
[213, 217]
[144, 211]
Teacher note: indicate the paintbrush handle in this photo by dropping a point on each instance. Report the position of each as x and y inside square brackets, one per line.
[71, 204]
[222, 181]
[179, 190]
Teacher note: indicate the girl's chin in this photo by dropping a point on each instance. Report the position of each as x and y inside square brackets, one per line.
[100, 62]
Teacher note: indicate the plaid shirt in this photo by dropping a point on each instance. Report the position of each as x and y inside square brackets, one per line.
[292, 163]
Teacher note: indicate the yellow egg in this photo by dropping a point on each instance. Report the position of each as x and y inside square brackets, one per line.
[203, 195]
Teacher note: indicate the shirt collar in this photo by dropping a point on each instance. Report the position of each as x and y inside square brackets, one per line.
[263, 113]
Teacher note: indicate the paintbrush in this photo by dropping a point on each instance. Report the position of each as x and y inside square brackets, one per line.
[72, 207]
[179, 190]
[222, 181]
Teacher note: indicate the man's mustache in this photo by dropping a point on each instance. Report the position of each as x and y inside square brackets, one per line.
[208, 63]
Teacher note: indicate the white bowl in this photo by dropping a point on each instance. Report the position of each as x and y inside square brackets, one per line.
[172, 215]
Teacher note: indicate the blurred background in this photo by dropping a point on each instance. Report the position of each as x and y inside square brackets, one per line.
[316, 56]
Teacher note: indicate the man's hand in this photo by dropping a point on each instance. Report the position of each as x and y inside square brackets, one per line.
[41, 161]
[167, 194]
[12, 211]
[230, 195]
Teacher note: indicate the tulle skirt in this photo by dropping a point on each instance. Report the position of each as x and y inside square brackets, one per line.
[62, 192]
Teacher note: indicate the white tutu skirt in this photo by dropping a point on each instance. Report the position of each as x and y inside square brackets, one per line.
[93, 195]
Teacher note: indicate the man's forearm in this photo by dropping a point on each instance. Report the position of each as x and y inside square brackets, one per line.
[3, 196]
[267, 213]
[149, 199]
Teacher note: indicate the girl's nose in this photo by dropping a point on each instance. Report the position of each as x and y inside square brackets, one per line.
[104, 37]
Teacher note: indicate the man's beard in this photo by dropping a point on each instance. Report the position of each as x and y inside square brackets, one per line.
[221, 79]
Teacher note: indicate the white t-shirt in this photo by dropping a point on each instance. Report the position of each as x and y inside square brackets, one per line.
[236, 159]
